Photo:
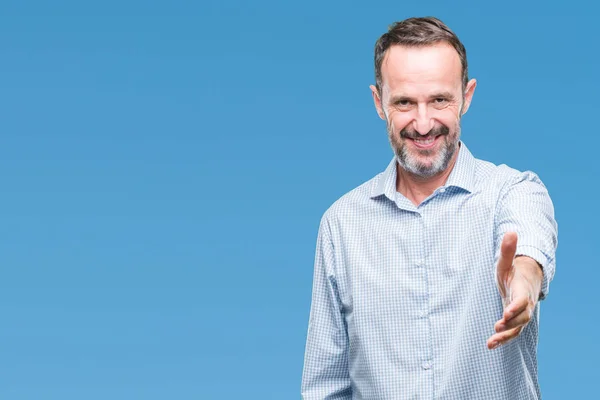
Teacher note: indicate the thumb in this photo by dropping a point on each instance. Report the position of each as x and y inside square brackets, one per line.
[505, 262]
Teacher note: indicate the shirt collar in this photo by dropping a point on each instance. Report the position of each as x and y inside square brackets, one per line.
[462, 175]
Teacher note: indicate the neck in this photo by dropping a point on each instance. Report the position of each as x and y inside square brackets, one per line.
[417, 188]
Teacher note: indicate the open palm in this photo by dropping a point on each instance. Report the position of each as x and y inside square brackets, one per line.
[518, 291]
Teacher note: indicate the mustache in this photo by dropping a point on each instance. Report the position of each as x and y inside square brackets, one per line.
[435, 131]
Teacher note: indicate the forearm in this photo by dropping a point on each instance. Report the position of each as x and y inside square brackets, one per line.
[529, 269]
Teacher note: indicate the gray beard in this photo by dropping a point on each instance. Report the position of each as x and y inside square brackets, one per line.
[412, 165]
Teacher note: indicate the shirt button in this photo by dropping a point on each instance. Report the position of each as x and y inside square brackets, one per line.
[442, 190]
[426, 365]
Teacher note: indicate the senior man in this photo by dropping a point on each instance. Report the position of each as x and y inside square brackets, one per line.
[427, 277]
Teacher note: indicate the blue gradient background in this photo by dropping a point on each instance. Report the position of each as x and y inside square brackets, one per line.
[164, 167]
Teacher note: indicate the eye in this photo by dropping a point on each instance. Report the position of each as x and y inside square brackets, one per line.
[440, 102]
[403, 103]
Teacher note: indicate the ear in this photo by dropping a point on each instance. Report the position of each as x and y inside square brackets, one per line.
[468, 95]
[377, 101]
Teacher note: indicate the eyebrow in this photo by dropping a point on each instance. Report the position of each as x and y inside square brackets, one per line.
[446, 95]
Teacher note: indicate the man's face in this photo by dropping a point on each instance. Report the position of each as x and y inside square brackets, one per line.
[422, 102]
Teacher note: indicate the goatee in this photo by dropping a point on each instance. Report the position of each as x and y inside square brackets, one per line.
[412, 163]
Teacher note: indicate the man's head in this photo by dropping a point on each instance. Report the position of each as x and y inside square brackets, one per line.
[422, 90]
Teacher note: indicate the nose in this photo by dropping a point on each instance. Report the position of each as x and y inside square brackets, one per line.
[423, 123]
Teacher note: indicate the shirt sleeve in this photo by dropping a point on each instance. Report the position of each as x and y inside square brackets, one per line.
[526, 208]
[325, 375]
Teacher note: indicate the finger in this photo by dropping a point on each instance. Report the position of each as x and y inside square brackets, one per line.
[520, 320]
[503, 338]
[507, 254]
[519, 309]
[516, 307]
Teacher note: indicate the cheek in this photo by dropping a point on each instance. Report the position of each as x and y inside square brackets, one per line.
[448, 120]
[399, 121]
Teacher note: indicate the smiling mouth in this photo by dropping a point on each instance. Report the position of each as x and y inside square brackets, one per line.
[425, 143]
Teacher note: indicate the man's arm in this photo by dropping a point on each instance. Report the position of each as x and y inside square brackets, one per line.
[325, 375]
[525, 227]
[526, 209]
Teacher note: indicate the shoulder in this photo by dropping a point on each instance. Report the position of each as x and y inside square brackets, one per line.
[500, 178]
[353, 203]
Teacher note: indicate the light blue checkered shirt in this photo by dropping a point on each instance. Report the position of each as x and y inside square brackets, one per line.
[405, 297]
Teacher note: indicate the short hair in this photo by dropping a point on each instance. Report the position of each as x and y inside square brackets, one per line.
[417, 32]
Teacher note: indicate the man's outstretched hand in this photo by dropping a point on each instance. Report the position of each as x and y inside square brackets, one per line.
[519, 281]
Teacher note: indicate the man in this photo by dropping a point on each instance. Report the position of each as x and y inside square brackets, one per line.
[427, 277]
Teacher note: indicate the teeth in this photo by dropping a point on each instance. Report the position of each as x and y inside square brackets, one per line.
[427, 141]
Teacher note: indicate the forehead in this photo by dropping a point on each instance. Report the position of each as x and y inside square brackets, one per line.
[433, 67]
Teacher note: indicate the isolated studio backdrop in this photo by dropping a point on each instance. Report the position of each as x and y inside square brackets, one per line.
[164, 168]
